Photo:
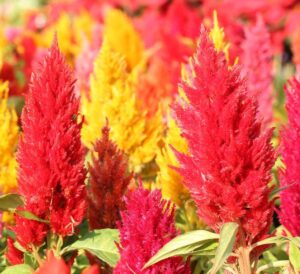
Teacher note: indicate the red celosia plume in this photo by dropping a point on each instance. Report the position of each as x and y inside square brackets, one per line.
[290, 149]
[257, 61]
[147, 224]
[107, 184]
[228, 169]
[13, 255]
[51, 156]
[53, 265]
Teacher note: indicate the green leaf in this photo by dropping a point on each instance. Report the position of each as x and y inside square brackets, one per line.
[227, 240]
[277, 264]
[295, 257]
[272, 240]
[101, 243]
[30, 260]
[18, 269]
[206, 249]
[30, 216]
[276, 191]
[183, 244]
[278, 240]
[9, 202]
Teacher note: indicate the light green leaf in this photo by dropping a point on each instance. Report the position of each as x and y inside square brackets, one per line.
[294, 257]
[272, 240]
[277, 264]
[18, 269]
[30, 216]
[101, 243]
[182, 245]
[9, 202]
[227, 240]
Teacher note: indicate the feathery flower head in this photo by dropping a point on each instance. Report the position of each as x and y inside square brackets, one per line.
[53, 265]
[217, 35]
[257, 63]
[290, 148]
[112, 95]
[228, 169]
[107, 183]
[13, 255]
[70, 30]
[9, 128]
[50, 155]
[123, 38]
[147, 212]
[168, 179]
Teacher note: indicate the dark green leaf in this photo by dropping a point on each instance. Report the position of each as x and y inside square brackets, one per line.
[9, 202]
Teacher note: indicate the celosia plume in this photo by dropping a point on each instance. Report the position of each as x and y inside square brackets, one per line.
[13, 255]
[70, 30]
[217, 35]
[123, 38]
[168, 179]
[53, 265]
[290, 148]
[50, 155]
[257, 62]
[228, 169]
[147, 224]
[9, 131]
[107, 183]
[113, 96]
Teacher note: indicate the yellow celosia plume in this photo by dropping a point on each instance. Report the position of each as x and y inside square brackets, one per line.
[123, 37]
[113, 96]
[168, 179]
[70, 31]
[217, 35]
[9, 132]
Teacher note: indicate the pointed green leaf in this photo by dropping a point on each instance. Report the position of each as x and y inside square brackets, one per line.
[277, 264]
[294, 257]
[272, 240]
[10, 202]
[227, 240]
[18, 269]
[182, 245]
[30, 216]
[101, 243]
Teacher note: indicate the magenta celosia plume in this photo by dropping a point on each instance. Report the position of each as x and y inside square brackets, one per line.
[147, 224]
[228, 169]
[257, 66]
[107, 183]
[50, 155]
[290, 149]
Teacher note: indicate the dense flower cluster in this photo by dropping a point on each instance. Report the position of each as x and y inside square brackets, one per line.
[50, 155]
[257, 62]
[107, 183]
[179, 95]
[147, 224]
[228, 169]
[290, 198]
[9, 128]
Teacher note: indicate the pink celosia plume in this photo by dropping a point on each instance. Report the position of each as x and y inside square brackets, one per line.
[290, 149]
[257, 61]
[147, 224]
